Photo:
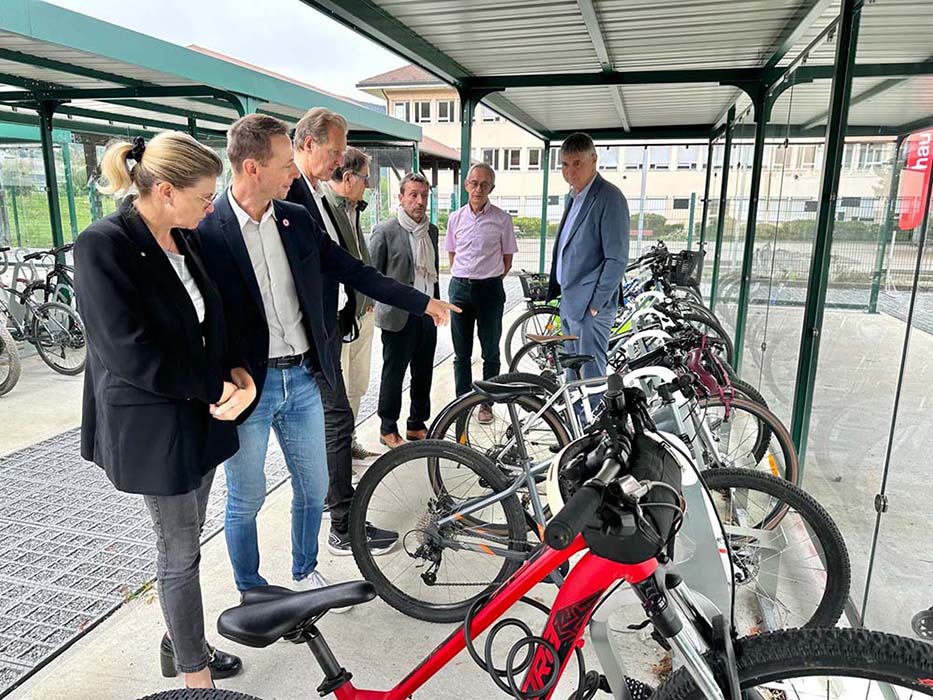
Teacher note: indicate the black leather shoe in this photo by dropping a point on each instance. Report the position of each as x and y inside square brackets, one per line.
[221, 664]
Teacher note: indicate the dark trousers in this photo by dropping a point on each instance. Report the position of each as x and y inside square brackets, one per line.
[481, 303]
[412, 347]
[338, 427]
[177, 522]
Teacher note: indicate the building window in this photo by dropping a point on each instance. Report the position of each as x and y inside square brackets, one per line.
[512, 158]
[555, 159]
[807, 157]
[780, 161]
[534, 159]
[681, 202]
[423, 112]
[488, 115]
[510, 204]
[607, 157]
[659, 157]
[445, 112]
[400, 110]
[872, 155]
[688, 158]
[491, 157]
[634, 156]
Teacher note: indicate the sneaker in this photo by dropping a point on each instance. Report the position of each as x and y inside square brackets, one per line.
[380, 541]
[485, 416]
[316, 580]
[361, 454]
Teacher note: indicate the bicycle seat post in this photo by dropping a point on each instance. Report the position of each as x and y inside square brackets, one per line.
[335, 675]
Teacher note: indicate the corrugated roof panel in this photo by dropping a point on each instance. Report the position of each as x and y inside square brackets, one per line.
[491, 37]
[660, 105]
[579, 106]
[646, 34]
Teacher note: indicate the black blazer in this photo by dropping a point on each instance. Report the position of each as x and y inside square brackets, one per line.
[300, 193]
[313, 258]
[152, 369]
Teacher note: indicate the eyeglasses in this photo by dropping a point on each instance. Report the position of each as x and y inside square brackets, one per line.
[480, 185]
[207, 201]
[364, 178]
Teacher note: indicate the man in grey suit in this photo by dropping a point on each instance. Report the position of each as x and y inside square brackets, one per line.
[590, 254]
[405, 249]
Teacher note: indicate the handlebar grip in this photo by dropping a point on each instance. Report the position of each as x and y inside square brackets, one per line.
[573, 517]
[33, 256]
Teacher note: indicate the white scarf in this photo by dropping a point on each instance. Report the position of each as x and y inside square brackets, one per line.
[425, 265]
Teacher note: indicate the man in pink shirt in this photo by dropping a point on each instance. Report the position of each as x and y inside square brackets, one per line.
[480, 243]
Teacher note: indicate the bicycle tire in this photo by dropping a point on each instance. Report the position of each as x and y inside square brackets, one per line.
[776, 656]
[790, 468]
[748, 391]
[485, 472]
[75, 334]
[199, 694]
[525, 316]
[816, 519]
[719, 332]
[10, 351]
[544, 366]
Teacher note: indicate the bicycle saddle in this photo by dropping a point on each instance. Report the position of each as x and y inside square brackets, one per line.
[495, 391]
[260, 623]
[550, 339]
[574, 362]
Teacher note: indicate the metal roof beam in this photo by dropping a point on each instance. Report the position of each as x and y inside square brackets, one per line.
[793, 33]
[591, 20]
[366, 18]
[909, 127]
[517, 116]
[739, 77]
[126, 119]
[66, 93]
[647, 133]
[62, 67]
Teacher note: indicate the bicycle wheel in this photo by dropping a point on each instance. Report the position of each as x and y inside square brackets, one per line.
[541, 320]
[534, 358]
[436, 573]
[818, 663]
[10, 367]
[58, 334]
[740, 433]
[791, 563]
[495, 439]
[199, 694]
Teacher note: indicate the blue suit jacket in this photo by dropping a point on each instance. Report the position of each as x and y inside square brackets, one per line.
[596, 252]
[314, 260]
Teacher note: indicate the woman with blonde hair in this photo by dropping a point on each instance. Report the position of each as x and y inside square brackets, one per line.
[162, 386]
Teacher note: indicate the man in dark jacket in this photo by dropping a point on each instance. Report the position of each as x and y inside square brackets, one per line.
[268, 258]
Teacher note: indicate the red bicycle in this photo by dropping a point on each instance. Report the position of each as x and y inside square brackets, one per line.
[625, 510]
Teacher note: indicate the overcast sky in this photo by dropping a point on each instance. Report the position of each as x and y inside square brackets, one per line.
[285, 36]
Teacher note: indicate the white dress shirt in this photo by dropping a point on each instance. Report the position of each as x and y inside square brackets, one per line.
[318, 194]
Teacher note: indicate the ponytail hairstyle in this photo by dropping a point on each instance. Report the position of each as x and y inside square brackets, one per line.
[171, 157]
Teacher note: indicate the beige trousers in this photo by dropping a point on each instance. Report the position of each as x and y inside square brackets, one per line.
[356, 359]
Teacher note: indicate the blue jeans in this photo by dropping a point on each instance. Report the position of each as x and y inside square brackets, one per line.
[593, 333]
[290, 404]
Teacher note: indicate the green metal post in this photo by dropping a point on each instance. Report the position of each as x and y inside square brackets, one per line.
[46, 113]
[467, 110]
[193, 127]
[415, 158]
[70, 190]
[887, 228]
[846, 42]
[709, 175]
[19, 237]
[762, 116]
[693, 204]
[721, 219]
[546, 164]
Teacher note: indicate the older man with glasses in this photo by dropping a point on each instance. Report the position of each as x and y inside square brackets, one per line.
[480, 243]
[344, 192]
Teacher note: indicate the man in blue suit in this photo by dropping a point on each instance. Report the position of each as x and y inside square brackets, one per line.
[590, 254]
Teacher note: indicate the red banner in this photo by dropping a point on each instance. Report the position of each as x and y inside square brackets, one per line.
[915, 180]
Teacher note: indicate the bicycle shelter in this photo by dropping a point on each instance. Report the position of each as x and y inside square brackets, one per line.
[747, 79]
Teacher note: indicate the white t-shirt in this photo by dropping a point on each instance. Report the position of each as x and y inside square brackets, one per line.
[178, 262]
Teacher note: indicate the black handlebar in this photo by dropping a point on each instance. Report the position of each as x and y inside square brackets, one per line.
[573, 517]
[53, 251]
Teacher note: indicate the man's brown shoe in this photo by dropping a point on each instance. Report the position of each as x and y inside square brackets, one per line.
[392, 440]
[416, 434]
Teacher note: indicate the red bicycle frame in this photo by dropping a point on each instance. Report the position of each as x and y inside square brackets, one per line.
[579, 594]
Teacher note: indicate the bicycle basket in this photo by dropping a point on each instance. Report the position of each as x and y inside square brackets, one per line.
[687, 268]
[534, 285]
